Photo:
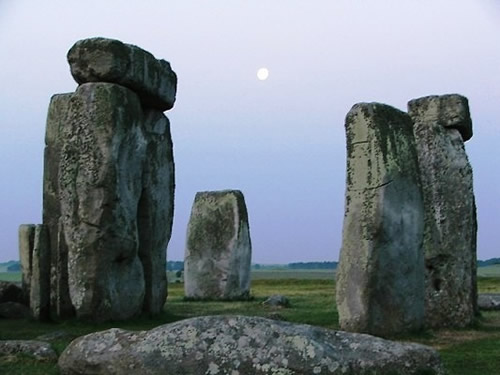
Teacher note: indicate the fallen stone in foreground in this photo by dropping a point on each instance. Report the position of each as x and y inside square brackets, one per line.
[488, 301]
[109, 60]
[239, 345]
[41, 351]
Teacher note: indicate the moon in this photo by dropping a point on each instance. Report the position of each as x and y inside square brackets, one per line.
[262, 74]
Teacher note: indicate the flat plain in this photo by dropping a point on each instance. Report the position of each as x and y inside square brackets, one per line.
[471, 351]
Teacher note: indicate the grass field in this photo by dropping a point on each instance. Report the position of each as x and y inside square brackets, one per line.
[473, 351]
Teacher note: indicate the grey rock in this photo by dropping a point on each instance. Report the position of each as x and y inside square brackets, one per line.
[239, 345]
[380, 279]
[39, 350]
[450, 111]
[488, 301]
[26, 244]
[441, 123]
[100, 184]
[156, 208]
[40, 275]
[14, 310]
[275, 316]
[218, 247]
[277, 300]
[10, 292]
[109, 60]
[60, 301]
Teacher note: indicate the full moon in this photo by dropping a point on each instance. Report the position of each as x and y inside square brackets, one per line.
[262, 74]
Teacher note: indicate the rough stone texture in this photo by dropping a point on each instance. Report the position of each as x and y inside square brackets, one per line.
[277, 300]
[109, 60]
[218, 249]
[239, 345]
[40, 275]
[10, 292]
[60, 301]
[156, 208]
[441, 124]
[488, 301]
[39, 350]
[14, 310]
[100, 174]
[26, 244]
[380, 282]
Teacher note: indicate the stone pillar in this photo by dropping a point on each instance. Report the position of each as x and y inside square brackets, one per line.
[26, 244]
[60, 302]
[380, 280]
[218, 247]
[40, 275]
[100, 183]
[156, 209]
[441, 126]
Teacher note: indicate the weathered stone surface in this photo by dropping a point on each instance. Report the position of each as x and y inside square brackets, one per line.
[450, 111]
[218, 247]
[40, 275]
[100, 185]
[14, 310]
[41, 351]
[60, 301]
[277, 300]
[26, 244]
[450, 212]
[109, 60]
[488, 301]
[380, 280]
[10, 292]
[56, 335]
[239, 345]
[156, 208]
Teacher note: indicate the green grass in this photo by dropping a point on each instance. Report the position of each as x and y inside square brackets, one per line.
[489, 271]
[10, 276]
[465, 352]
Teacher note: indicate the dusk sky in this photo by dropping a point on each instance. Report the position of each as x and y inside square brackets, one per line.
[280, 141]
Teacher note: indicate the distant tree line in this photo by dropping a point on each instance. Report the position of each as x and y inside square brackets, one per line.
[174, 265]
[489, 262]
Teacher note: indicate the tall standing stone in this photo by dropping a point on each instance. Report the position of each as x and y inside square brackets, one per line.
[26, 244]
[218, 247]
[100, 183]
[61, 306]
[40, 275]
[380, 282]
[441, 126]
[156, 208]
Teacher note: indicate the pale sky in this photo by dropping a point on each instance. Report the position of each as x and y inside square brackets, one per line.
[281, 141]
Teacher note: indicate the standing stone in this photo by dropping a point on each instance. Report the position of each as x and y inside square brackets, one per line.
[26, 244]
[100, 183]
[61, 306]
[40, 275]
[441, 126]
[218, 249]
[380, 282]
[156, 209]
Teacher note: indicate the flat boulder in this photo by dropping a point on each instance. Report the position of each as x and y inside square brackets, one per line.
[110, 60]
[488, 301]
[39, 350]
[240, 345]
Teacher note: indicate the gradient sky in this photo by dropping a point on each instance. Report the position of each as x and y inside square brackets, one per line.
[280, 141]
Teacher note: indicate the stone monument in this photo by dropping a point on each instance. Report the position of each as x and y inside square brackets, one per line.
[218, 247]
[380, 279]
[441, 126]
[108, 184]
